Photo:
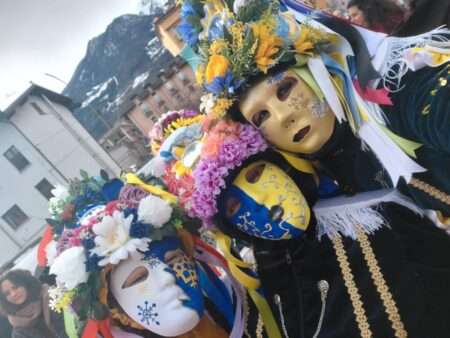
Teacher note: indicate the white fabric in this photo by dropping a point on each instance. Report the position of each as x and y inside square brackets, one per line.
[392, 157]
[339, 216]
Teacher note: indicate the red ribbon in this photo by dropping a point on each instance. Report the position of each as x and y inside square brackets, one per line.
[380, 96]
[41, 253]
[93, 327]
[211, 250]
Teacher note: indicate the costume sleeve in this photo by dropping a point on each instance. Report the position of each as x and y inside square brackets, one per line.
[421, 110]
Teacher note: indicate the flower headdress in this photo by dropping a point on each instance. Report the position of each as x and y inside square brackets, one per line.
[238, 42]
[226, 146]
[169, 122]
[110, 228]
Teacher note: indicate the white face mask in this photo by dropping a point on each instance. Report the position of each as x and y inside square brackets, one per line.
[149, 294]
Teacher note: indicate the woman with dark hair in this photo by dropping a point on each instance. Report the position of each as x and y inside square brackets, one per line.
[378, 15]
[25, 302]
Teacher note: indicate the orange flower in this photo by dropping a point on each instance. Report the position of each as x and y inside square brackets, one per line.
[302, 45]
[217, 67]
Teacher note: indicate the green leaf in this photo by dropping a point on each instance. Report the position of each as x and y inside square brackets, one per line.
[84, 174]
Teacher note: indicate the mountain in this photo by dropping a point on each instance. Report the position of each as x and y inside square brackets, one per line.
[115, 61]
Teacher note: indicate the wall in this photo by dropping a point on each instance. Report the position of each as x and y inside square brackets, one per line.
[187, 96]
[62, 139]
[19, 188]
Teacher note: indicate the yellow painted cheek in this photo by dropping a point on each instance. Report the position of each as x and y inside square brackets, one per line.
[274, 187]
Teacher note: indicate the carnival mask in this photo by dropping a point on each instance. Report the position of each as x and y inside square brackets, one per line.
[288, 113]
[263, 201]
[159, 289]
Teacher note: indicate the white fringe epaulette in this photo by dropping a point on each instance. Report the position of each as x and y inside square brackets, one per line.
[339, 216]
[390, 58]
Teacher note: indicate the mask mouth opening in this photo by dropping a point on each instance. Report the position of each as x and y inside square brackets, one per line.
[301, 134]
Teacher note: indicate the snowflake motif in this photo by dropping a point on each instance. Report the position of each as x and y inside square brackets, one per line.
[148, 313]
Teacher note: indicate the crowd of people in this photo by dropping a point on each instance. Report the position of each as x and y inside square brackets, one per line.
[307, 196]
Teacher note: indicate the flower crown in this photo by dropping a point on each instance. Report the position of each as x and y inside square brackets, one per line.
[225, 147]
[171, 121]
[109, 230]
[239, 43]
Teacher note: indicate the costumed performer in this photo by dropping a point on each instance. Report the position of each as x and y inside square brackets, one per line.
[311, 87]
[364, 266]
[119, 256]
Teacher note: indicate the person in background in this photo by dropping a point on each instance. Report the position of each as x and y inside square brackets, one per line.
[378, 15]
[425, 15]
[24, 300]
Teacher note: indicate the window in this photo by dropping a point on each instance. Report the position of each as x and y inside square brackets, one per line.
[16, 158]
[15, 217]
[37, 108]
[45, 188]
[145, 109]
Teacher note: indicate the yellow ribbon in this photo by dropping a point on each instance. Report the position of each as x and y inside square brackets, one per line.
[270, 324]
[250, 283]
[408, 146]
[133, 179]
[298, 163]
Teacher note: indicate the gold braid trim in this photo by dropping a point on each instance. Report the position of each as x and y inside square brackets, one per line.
[349, 281]
[380, 283]
[430, 190]
[259, 327]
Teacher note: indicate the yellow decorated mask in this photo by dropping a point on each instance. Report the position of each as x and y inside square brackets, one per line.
[289, 113]
[263, 201]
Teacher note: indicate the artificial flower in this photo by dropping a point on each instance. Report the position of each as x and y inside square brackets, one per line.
[154, 210]
[51, 251]
[217, 67]
[221, 106]
[303, 44]
[218, 46]
[268, 46]
[207, 103]
[200, 74]
[60, 298]
[69, 268]
[58, 201]
[113, 241]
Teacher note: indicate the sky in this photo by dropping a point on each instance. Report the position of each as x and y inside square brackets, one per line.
[49, 36]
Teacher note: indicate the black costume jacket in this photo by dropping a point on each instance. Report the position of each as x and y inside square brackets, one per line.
[413, 256]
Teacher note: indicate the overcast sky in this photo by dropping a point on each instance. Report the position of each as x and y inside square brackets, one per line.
[49, 36]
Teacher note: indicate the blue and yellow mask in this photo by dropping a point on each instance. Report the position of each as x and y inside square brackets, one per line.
[263, 201]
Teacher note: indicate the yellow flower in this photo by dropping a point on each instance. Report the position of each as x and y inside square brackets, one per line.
[218, 46]
[221, 106]
[217, 67]
[303, 44]
[268, 46]
[200, 74]
[65, 301]
[237, 32]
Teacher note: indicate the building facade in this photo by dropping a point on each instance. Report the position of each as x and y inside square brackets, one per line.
[41, 145]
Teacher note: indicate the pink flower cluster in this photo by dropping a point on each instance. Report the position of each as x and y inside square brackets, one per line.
[211, 171]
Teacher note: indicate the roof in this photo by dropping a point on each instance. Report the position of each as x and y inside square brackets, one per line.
[35, 90]
[164, 16]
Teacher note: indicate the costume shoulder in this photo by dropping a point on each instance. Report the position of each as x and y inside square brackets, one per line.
[421, 110]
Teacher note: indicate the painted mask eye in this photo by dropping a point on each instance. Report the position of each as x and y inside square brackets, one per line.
[276, 213]
[232, 206]
[259, 117]
[138, 275]
[254, 174]
[285, 87]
